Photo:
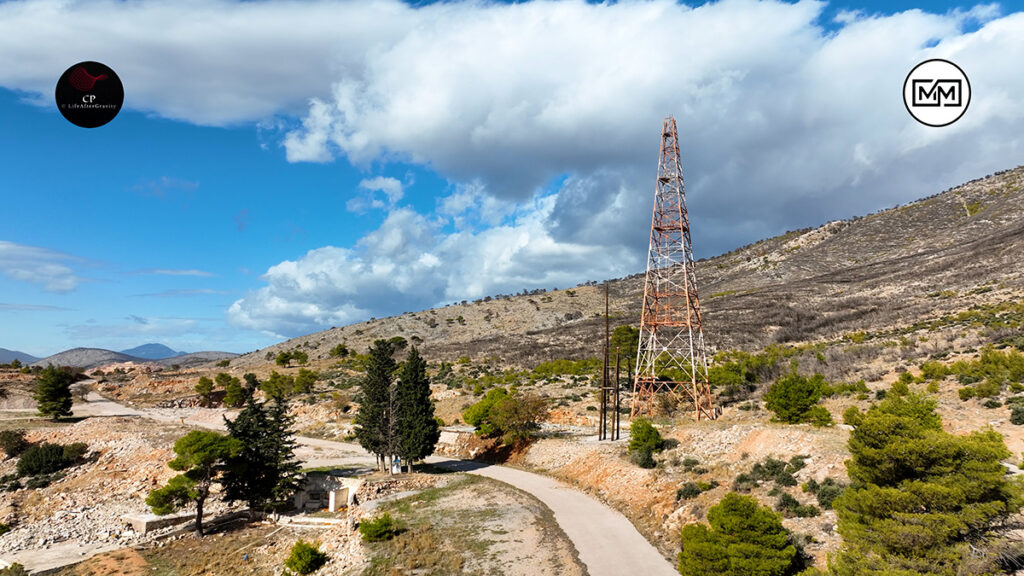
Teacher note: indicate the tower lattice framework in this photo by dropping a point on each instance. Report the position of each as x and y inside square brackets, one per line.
[671, 356]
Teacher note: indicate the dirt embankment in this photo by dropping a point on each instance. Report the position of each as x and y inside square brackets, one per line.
[723, 450]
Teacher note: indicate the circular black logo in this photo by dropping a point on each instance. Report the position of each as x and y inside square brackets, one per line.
[89, 94]
[936, 92]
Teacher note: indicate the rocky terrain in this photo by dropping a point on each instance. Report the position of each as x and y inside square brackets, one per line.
[866, 299]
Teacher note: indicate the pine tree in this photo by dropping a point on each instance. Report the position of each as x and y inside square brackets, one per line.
[235, 394]
[53, 391]
[264, 473]
[373, 426]
[204, 388]
[745, 539]
[921, 500]
[415, 426]
[201, 459]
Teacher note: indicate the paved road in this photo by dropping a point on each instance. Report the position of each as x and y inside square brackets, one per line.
[608, 544]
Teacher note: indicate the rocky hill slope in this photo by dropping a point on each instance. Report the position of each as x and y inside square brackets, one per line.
[918, 262]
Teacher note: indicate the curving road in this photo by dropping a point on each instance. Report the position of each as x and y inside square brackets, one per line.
[608, 544]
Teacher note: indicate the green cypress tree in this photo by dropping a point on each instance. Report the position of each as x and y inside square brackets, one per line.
[287, 469]
[249, 476]
[53, 391]
[264, 473]
[373, 426]
[920, 498]
[415, 425]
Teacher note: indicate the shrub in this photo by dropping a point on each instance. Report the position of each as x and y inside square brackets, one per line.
[826, 491]
[687, 491]
[992, 403]
[477, 414]
[966, 393]
[644, 441]
[932, 370]
[44, 458]
[379, 529]
[13, 442]
[744, 483]
[15, 569]
[793, 399]
[74, 451]
[305, 558]
[37, 482]
[1017, 415]
[4, 528]
[339, 351]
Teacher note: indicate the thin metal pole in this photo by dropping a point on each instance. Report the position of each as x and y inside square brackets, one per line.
[615, 417]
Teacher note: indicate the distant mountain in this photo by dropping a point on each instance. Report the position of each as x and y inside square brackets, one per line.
[196, 358]
[8, 356]
[87, 358]
[152, 352]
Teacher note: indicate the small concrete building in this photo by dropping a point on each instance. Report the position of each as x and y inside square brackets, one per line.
[327, 490]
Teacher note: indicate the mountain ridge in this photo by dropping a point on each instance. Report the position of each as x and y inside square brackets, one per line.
[89, 358]
[152, 351]
[8, 356]
[930, 257]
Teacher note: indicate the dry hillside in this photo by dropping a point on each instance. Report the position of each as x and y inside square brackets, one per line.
[917, 262]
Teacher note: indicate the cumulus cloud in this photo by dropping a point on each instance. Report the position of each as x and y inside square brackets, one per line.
[37, 265]
[410, 263]
[392, 189]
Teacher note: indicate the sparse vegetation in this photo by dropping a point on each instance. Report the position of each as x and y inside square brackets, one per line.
[46, 458]
[644, 442]
[825, 491]
[378, 529]
[305, 557]
[13, 442]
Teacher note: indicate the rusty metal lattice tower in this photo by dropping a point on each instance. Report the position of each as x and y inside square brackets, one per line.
[671, 356]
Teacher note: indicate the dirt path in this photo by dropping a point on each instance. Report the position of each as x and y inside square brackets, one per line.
[607, 542]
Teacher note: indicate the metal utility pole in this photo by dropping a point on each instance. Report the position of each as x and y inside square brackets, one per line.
[671, 356]
[608, 427]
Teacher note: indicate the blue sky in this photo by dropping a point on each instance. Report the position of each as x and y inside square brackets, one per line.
[282, 167]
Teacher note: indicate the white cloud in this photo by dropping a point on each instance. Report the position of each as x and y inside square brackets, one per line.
[392, 188]
[171, 272]
[38, 266]
[544, 117]
[410, 263]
